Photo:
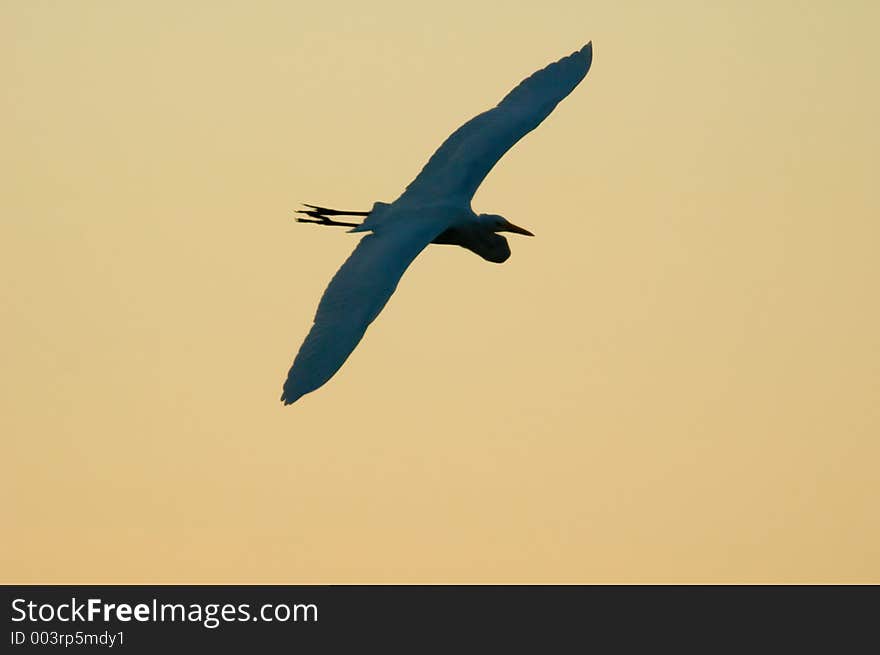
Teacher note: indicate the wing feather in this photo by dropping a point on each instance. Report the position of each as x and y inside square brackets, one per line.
[355, 296]
[462, 162]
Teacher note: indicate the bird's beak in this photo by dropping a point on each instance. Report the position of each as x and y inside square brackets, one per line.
[517, 229]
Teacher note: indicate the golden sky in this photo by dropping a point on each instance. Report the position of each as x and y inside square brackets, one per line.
[676, 380]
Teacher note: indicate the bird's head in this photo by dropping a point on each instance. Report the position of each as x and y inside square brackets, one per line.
[490, 245]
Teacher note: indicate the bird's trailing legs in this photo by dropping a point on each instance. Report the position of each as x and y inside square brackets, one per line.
[321, 215]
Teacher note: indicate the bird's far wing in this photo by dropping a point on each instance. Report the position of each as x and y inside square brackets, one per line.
[354, 297]
[459, 166]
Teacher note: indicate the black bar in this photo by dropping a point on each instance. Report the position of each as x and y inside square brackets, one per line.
[416, 618]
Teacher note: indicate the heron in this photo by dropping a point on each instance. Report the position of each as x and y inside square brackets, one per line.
[435, 208]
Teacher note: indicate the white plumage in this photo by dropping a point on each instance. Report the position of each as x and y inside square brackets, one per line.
[434, 208]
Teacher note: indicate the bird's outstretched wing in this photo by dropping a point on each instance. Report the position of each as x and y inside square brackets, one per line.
[354, 297]
[459, 166]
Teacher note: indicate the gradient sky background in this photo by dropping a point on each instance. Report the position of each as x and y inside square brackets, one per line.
[677, 380]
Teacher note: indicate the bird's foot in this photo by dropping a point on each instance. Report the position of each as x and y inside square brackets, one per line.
[323, 220]
[321, 216]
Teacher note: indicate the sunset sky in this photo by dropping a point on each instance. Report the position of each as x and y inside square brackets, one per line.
[676, 380]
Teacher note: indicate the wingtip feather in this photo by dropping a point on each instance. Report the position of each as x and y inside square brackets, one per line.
[288, 397]
[587, 52]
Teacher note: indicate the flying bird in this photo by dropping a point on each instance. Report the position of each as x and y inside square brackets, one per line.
[434, 208]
